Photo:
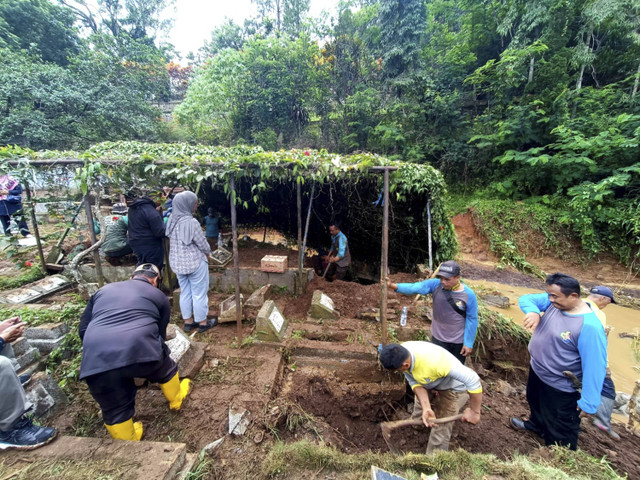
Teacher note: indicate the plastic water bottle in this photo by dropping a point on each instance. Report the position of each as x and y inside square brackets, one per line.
[403, 317]
[219, 240]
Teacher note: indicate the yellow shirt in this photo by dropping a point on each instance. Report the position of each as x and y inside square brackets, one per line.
[433, 367]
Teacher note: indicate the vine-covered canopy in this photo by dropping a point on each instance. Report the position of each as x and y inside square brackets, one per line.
[345, 188]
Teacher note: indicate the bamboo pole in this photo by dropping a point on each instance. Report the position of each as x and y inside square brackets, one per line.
[236, 263]
[430, 234]
[384, 254]
[384, 267]
[306, 224]
[36, 231]
[92, 234]
[299, 205]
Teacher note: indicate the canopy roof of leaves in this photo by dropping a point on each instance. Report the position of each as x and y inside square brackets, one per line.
[346, 190]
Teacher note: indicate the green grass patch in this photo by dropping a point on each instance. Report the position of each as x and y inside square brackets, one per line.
[86, 469]
[22, 277]
[492, 325]
[68, 313]
[304, 460]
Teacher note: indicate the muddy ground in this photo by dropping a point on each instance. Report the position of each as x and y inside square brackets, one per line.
[290, 400]
[291, 397]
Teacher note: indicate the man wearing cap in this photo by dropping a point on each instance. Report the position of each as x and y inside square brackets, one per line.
[599, 297]
[123, 331]
[455, 309]
[116, 243]
[567, 336]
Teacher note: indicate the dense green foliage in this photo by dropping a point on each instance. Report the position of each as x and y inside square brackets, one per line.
[345, 190]
[530, 99]
[525, 100]
[64, 85]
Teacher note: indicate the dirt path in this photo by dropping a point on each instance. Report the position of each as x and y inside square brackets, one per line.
[479, 263]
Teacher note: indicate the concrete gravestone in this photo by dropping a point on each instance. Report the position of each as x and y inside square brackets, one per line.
[270, 323]
[322, 307]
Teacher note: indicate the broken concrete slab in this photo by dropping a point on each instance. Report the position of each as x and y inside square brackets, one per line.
[270, 323]
[168, 459]
[497, 300]
[258, 297]
[36, 290]
[213, 446]
[228, 309]
[45, 394]
[21, 353]
[46, 331]
[47, 337]
[189, 355]
[322, 307]
[238, 421]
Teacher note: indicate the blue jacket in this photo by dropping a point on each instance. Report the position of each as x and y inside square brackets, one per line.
[448, 325]
[567, 342]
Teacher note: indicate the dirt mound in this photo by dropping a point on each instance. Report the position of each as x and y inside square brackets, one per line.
[350, 298]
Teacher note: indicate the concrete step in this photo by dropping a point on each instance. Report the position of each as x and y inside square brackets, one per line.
[151, 460]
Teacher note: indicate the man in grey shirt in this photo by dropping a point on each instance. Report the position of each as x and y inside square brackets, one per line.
[455, 309]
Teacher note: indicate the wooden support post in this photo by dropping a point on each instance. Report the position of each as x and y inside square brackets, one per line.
[92, 234]
[306, 224]
[299, 204]
[36, 231]
[430, 235]
[384, 260]
[236, 262]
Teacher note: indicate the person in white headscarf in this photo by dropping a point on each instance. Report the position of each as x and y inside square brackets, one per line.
[188, 258]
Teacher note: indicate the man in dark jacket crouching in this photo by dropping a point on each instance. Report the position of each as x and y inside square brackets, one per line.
[123, 331]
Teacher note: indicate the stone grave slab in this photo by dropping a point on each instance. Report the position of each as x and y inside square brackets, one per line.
[45, 394]
[47, 337]
[147, 460]
[258, 297]
[36, 290]
[21, 353]
[228, 309]
[189, 355]
[322, 307]
[270, 323]
[238, 421]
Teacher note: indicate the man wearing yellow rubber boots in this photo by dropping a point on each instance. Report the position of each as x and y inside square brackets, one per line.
[123, 329]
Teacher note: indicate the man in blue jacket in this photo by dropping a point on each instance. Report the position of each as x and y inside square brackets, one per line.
[455, 309]
[568, 336]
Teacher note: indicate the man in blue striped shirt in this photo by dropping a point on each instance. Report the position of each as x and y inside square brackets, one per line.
[567, 336]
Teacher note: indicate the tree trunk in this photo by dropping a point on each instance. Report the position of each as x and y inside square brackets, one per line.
[635, 84]
[531, 64]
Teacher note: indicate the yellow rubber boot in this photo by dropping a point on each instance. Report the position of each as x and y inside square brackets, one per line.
[126, 430]
[176, 391]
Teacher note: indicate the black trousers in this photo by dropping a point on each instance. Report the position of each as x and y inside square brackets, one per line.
[554, 413]
[19, 218]
[115, 390]
[453, 348]
[151, 251]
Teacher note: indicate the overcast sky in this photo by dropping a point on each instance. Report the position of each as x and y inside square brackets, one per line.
[194, 19]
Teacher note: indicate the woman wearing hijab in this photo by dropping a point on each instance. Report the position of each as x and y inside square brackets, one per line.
[188, 258]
